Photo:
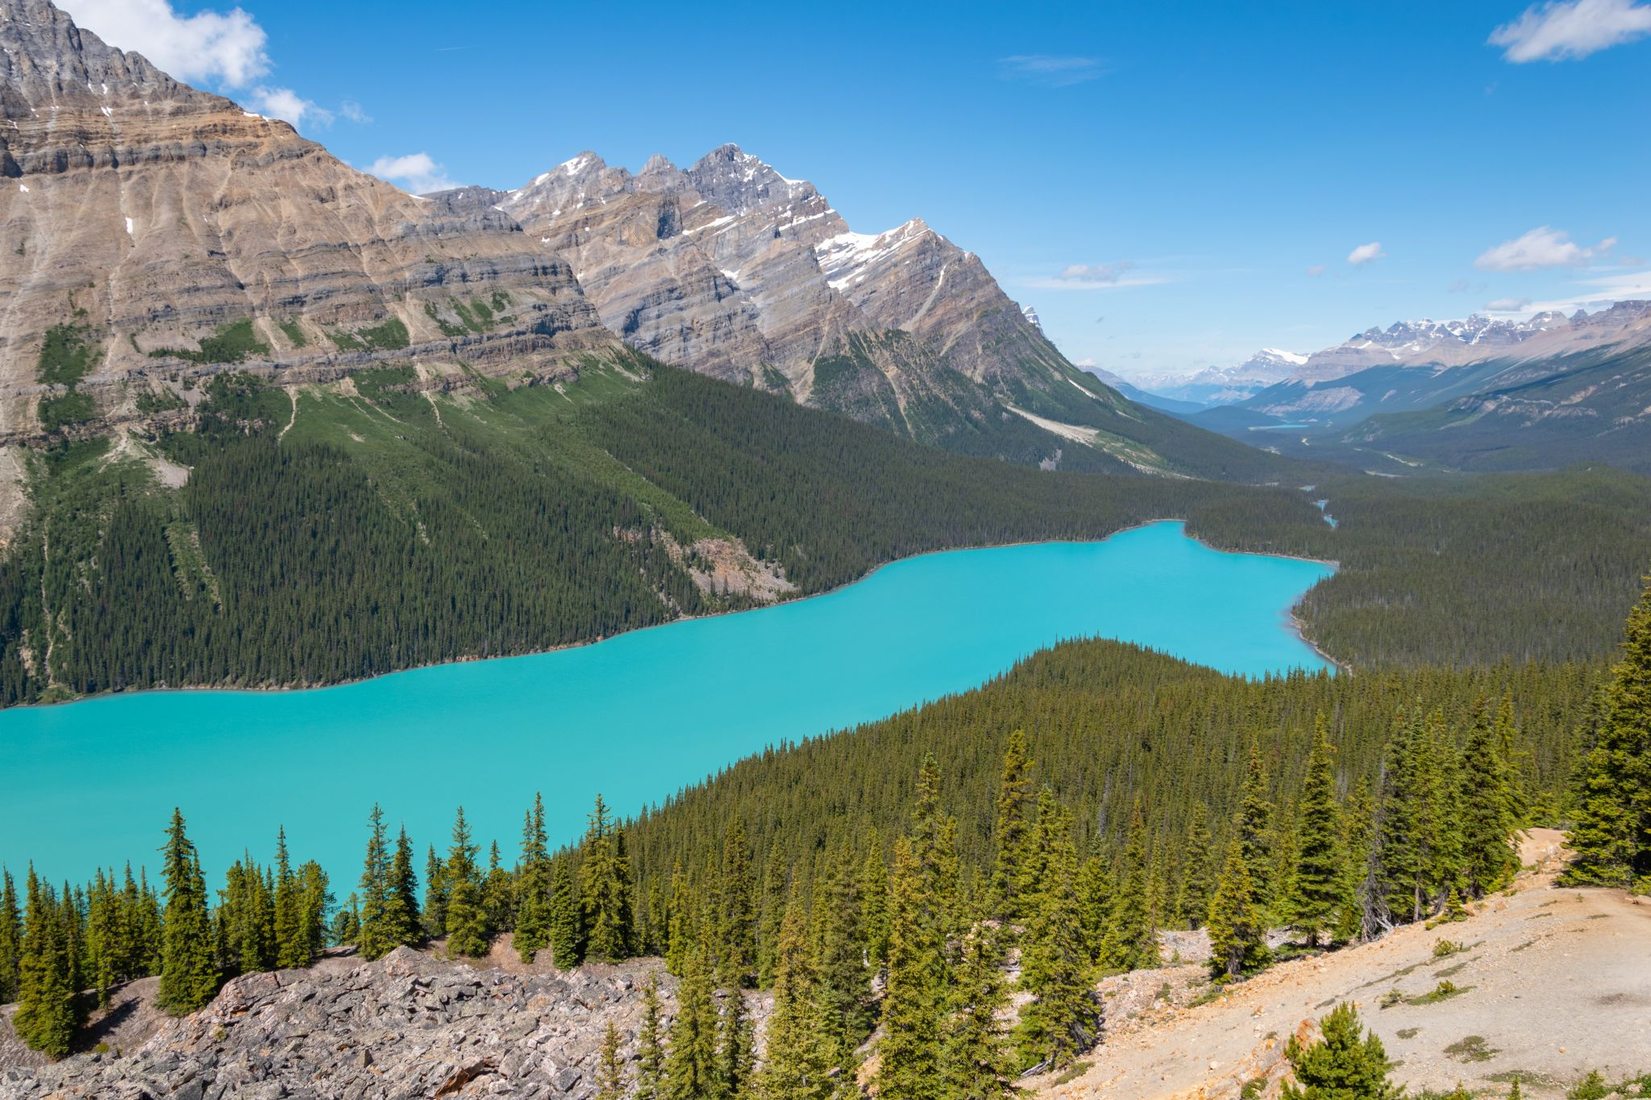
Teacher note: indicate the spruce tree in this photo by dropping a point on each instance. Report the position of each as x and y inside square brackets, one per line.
[1255, 827]
[919, 972]
[1196, 885]
[691, 1061]
[978, 1058]
[313, 902]
[291, 946]
[610, 1067]
[533, 890]
[46, 1016]
[874, 904]
[467, 931]
[567, 922]
[401, 898]
[1401, 857]
[650, 1046]
[735, 911]
[1062, 1020]
[435, 895]
[377, 934]
[736, 1046]
[1094, 906]
[838, 953]
[797, 1060]
[189, 977]
[1612, 834]
[1012, 832]
[1318, 887]
[498, 894]
[1238, 942]
[1489, 857]
[605, 888]
[1131, 942]
[11, 939]
[1345, 1064]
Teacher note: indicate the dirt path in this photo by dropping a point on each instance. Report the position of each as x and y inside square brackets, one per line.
[1554, 983]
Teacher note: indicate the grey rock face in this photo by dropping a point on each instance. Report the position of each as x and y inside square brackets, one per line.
[407, 1025]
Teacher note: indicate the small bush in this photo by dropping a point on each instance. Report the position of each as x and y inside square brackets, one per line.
[1444, 949]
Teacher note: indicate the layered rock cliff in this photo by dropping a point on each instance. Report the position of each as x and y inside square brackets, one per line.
[150, 216]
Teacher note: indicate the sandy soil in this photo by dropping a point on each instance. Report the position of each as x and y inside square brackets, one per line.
[1554, 983]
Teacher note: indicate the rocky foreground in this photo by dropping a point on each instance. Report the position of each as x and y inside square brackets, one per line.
[408, 1025]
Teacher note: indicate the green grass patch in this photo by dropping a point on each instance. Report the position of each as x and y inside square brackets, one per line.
[63, 410]
[65, 357]
[232, 343]
[150, 402]
[448, 328]
[1474, 1048]
[1444, 991]
[294, 333]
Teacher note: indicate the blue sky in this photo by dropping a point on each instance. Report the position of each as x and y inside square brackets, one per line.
[1169, 185]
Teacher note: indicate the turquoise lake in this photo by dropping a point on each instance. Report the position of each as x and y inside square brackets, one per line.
[635, 717]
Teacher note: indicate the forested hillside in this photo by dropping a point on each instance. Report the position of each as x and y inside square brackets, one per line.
[330, 532]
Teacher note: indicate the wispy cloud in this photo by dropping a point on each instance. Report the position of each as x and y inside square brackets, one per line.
[354, 112]
[417, 173]
[1565, 30]
[1050, 70]
[1596, 293]
[1508, 305]
[1366, 254]
[1315, 271]
[1538, 248]
[1108, 276]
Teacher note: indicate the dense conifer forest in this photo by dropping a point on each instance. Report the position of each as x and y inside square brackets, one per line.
[330, 534]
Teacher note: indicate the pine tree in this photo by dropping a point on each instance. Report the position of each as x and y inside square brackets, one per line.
[1612, 835]
[401, 898]
[11, 939]
[378, 933]
[313, 902]
[920, 909]
[735, 911]
[189, 977]
[533, 888]
[498, 894]
[610, 1068]
[1196, 879]
[691, 1061]
[46, 1016]
[1131, 941]
[978, 1060]
[1238, 942]
[435, 895]
[797, 1061]
[467, 931]
[1345, 1065]
[1062, 1020]
[736, 1047]
[650, 1047]
[567, 922]
[1401, 858]
[1012, 833]
[838, 953]
[605, 888]
[874, 904]
[1489, 857]
[1358, 831]
[1255, 827]
[1317, 892]
[291, 946]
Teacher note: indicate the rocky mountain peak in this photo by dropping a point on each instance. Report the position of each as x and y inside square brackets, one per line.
[739, 183]
[47, 62]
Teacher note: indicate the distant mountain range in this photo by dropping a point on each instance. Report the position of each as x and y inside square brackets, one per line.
[1479, 393]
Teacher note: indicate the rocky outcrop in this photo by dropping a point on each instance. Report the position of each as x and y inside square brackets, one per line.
[151, 215]
[408, 1025]
[734, 270]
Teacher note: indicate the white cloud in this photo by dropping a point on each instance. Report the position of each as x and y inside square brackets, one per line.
[288, 104]
[1540, 247]
[1049, 70]
[417, 173]
[1316, 270]
[1597, 293]
[226, 47]
[354, 112]
[1366, 254]
[1570, 29]
[1508, 305]
[1110, 276]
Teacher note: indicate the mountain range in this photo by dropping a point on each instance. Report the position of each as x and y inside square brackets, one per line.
[1477, 393]
[159, 235]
